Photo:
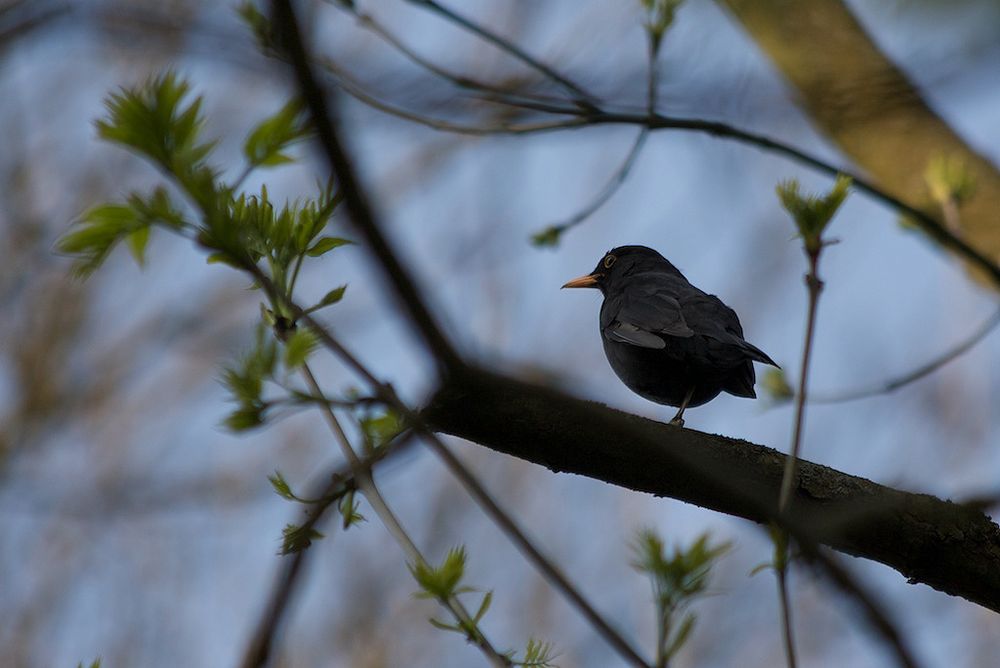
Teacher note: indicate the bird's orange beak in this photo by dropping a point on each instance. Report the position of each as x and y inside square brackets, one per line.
[588, 281]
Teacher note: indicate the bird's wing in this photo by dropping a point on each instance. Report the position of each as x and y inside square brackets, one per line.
[709, 317]
[641, 315]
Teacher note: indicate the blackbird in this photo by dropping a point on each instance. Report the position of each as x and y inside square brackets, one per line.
[668, 341]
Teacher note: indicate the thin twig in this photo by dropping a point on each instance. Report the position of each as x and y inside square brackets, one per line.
[262, 643]
[786, 614]
[918, 373]
[355, 90]
[610, 188]
[788, 479]
[366, 485]
[815, 286]
[483, 89]
[336, 485]
[582, 98]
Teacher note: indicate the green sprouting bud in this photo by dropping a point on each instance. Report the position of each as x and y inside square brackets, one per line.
[812, 213]
[949, 179]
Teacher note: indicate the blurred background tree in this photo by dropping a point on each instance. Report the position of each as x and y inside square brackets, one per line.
[139, 531]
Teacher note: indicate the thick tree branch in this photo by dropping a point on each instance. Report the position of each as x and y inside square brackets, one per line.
[951, 547]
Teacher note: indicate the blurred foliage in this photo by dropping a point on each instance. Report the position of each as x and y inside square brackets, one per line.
[444, 583]
[949, 179]
[678, 580]
[775, 384]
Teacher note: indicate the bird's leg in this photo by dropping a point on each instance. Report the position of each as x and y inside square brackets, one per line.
[679, 419]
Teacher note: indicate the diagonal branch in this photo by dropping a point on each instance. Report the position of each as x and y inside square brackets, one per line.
[953, 548]
[354, 199]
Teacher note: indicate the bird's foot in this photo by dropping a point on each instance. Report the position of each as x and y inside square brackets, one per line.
[677, 422]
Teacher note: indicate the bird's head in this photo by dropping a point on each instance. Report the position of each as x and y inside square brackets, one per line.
[620, 262]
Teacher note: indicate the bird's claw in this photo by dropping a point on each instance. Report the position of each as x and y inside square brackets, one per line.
[677, 422]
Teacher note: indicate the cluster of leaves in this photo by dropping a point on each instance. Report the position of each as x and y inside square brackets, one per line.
[444, 583]
[158, 121]
[812, 213]
[677, 581]
[245, 381]
[378, 429]
[296, 538]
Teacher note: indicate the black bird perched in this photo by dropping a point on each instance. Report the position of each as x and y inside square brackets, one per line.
[668, 341]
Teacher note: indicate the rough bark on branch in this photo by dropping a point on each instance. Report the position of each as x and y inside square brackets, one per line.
[951, 547]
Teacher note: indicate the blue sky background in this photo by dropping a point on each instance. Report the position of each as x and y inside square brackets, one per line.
[141, 532]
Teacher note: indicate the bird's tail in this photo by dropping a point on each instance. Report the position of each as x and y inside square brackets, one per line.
[758, 355]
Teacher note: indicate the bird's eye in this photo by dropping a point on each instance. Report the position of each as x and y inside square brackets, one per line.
[608, 261]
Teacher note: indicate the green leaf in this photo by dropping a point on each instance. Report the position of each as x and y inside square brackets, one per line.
[325, 245]
[549, 237]
[348, 509]
[244, 418]
[154, 120]
[96, 234]
[102, 227]
[265, 144]
[537, 654]
[812, 213]
[297, 538]
[245, 381]
[380, 429]
[137, 241]
[441, 582]
[483, 607]
[260, 26]
[332, 297]
[680, 637]
[221, 258]
[281, 486]
[298, 347]
[438, 624]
